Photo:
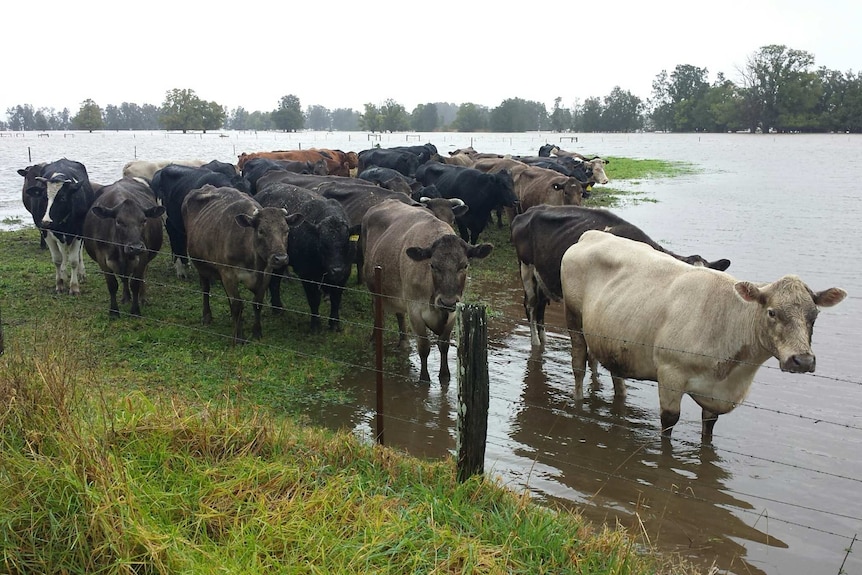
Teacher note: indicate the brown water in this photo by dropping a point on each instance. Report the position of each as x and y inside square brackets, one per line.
[778, 492]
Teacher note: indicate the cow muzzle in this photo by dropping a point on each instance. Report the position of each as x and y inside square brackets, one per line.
[799, 363]
[278, 260]
[134, 249]
[447, 304]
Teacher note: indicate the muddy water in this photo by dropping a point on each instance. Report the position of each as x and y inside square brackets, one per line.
[779, 491]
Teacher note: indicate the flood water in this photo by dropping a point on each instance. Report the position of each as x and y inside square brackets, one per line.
[779, 490]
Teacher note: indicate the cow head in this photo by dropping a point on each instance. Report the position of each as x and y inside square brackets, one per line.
[333, 237]
[271, 226]
[785, 318]
[506, 183]
[448, 258]
[129, 221]
[60, 189]
[445, 209]
[598, 167]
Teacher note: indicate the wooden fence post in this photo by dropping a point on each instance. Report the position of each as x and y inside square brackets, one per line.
[471, 332]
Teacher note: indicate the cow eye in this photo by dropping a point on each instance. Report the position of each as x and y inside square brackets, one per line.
[771, 313]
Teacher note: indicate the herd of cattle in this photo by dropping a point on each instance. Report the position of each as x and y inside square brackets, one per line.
[637, 308]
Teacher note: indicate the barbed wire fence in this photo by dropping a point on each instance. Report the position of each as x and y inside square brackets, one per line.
[505, 324]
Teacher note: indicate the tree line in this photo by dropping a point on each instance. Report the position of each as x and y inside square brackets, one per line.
[779, 90]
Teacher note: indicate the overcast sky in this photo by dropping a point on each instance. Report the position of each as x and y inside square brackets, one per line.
[341, 54]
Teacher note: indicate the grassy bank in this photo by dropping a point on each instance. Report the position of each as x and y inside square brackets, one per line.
[151, 445]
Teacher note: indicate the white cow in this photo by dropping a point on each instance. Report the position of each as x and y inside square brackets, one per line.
[646, 315]
[146, 169]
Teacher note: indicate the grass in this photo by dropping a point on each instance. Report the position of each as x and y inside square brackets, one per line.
[150, 445]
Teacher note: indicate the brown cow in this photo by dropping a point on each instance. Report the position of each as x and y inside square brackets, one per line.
[232, 238]
[424, 273]
[123, 233]
[646, 315]
[334, 163]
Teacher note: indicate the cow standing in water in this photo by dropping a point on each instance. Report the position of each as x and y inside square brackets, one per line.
[645, 315]
[70, 196]
[232, 238]
[424, 273]
[123, 233]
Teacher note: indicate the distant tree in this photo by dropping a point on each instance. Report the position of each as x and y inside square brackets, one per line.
[424, 118]
[446, 112]
[724, 106]
[372, 119]
[561, 118]
[318, 118]
[150, 117]
[111, 118]
[237, 119]
[288, 116]
[41, 120]
[771, 81]
[182, 110]
[518, 115]
[258, 120]
[622, 111]
[345, 119]
[590, 116]
[471, 118]
[394, 117]
[213, 116]
[89, 117]
[660, 105]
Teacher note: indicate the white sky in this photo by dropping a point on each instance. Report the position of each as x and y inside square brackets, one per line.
[343, 54]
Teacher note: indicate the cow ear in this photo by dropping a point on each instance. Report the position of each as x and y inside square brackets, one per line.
[460, 210]
[244, 220]
[829, 297]
[418, 254]
[479, 252]
[748, 292]
[154, 212]
[293, 219]
[22, 172]
[103, 212]
[719, 265]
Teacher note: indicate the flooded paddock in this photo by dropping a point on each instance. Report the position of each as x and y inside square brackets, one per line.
[777, 492]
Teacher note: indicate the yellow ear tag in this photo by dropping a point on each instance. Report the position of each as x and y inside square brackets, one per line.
[589, 187]
[354, 238]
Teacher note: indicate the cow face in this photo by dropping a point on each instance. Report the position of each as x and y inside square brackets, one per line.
[60, 190]
[270, 226]
[336, 248]
[129, 223]
[598, 167]
[508, 197]
[786, 314]
[448, 258]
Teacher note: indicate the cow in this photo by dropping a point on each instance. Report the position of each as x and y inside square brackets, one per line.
[146, 169]
[545, 150]
[644, 314]
[123, 233]
[171, 184]
[34, 196]
[424, 267]
[541, 236]
[399, 160]
[347, 161]
[388, 178]
[480, 191]
[232, 238]
[423, 152]
[321, 249]
[596, 164]
[69, 197]
[255, 168]
[334, 165]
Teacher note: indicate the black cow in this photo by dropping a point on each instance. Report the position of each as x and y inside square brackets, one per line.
[70, 196]
[123, 233]
[171, 184]
[320, 249]
[480, 191]
[34, 196]
[388, 178]
[423, 152]
[542, 235]
[546, 150]
[401, 161]
[225, 168]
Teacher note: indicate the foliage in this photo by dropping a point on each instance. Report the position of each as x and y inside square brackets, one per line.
[89, 117]
[288, 116]
[561, 118]
[394, 117]
[345, 119]
[318, 118]
[424, 118]
[184, 110]
[471, 118]
[518, 115]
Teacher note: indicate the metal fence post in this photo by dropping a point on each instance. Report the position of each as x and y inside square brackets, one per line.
[378, 345]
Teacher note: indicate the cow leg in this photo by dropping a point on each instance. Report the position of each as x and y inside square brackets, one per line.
[574, 323]
[423, 346]
[462, 229]
[403, 341]
[113, 285]
[595, 384]
[76, 265]
[335, 309]
[670, 390]
[443, 346]
[178, 248]
[257, 307]
[207, 316]
[136, 284]
[531, 303]
[708, 419]
[619, 386]
[58, 254]
[312, 296]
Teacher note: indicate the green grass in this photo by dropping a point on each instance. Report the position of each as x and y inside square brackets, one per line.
[151, 445]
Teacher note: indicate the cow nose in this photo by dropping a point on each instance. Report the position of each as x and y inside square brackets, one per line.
[134, 249]
[448, 303]
[278, 260]
[800, 363]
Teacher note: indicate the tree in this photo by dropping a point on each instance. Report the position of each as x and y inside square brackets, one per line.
[471, 118]
[394, 116]
[258, 120]
[590, 116]
[424, 118]
[518, 115]
[288, 116]
[213, 116]
[318, 118]
[561, 118]
[89, 117]
[372, 119]
[345, 119]
[622, 111]
[661, 103]
[771, 80]
[182, 110]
